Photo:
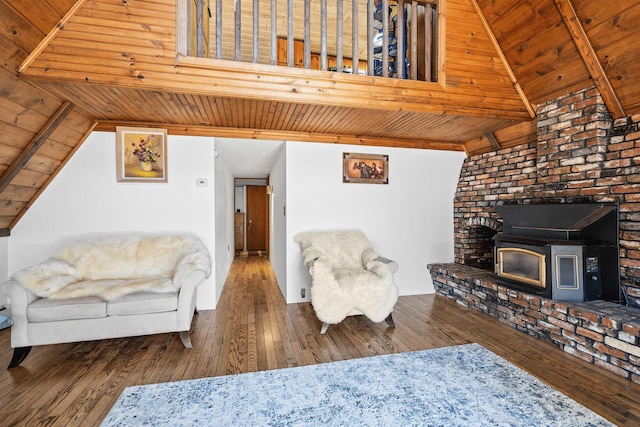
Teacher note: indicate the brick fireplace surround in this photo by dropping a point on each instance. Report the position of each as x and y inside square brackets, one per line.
[581, 155]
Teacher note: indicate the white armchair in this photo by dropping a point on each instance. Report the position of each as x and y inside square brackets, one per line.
[347, 277]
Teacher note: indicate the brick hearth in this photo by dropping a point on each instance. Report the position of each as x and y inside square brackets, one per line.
[599, 332]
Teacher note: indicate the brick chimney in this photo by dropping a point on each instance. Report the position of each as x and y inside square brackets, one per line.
[581, 155]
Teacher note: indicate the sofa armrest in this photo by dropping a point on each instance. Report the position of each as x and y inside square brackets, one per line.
[370, 257]
[19, 298]
[309, 257]
[187, 299]
[196, 261]
[393, 266]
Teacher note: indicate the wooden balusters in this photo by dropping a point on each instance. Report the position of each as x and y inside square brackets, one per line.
[401, 51]
[414, 41]
[237, 15]
[399, 34]
[385, 38]
[290, 37]
[428, 41]
[354, 37]
[307, 34]
[218, 30]
[371, 32]
[200, 28]
[339, 27]
[274, 33]
[256, 31]
[323, 35]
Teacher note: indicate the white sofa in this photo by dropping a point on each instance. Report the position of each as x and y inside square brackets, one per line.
[108, 287]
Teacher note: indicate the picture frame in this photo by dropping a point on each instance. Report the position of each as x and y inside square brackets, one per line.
[141, 154]
[365, 168]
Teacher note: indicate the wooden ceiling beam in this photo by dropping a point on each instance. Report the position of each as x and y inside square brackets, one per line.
[514, 80]
[238, 80]
[493, 141]
[224, 132]
[52, 35]
[20, 162]
[580, 38]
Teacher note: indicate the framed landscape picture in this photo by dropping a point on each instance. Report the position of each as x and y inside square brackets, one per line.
[365, 168]
[141, 154]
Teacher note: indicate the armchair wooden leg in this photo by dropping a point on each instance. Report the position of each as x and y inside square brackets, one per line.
[186, 339]
[390, 321]
[19, 354]
[325, 326]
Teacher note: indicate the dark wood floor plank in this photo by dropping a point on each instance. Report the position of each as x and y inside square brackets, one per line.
[253, 329]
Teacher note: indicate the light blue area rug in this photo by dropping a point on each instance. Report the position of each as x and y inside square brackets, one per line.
[5, 322]
[454, 386]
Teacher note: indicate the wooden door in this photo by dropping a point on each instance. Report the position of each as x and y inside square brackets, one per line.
[257, 218]
[282, 52]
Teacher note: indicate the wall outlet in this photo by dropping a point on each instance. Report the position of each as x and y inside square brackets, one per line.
[303, 292]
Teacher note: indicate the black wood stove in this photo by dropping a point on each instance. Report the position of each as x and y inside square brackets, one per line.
[567, 252]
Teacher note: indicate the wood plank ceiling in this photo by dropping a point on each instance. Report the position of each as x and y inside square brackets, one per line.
[104, 63]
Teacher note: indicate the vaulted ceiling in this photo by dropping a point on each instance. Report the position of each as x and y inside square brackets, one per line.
[94, 64]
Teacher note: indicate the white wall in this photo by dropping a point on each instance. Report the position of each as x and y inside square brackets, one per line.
[86, 199]
[224, 220]
[278, 231]
[410, 220]
[239, 198]
[4, 267]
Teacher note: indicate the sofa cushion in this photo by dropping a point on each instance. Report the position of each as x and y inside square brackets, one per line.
[142, 303]
[48, 310]
[111, 289]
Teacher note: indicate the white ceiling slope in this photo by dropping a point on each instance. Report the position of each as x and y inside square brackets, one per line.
[248, 158]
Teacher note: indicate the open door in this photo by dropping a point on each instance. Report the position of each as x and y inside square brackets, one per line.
[257, 218]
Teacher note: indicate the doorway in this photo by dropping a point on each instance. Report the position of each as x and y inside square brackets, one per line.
[257, 223]
[252, 216]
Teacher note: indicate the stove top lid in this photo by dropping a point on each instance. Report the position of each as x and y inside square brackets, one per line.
[566, 219]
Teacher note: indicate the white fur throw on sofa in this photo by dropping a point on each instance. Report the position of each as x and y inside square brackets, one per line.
[347, 276]
[110, 267]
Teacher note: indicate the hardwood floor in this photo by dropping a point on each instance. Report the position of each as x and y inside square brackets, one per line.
[253, 329]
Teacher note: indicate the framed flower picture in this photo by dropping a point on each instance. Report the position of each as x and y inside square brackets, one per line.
[141, 154]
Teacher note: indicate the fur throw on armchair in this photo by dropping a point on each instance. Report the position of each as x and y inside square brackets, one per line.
[347, 276]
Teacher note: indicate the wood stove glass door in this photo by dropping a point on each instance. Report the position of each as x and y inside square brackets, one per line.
[522, 265]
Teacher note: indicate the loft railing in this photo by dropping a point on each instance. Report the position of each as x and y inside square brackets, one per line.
[330, 35]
